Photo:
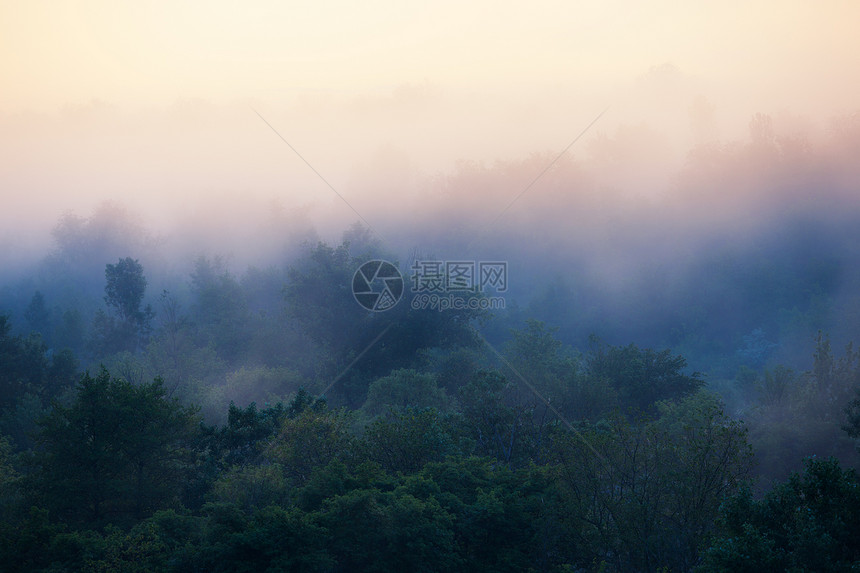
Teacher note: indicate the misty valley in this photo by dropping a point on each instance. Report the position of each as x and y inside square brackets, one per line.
[660, 384]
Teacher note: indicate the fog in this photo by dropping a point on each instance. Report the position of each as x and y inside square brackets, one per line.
[156, 107]
[194, 200]
[661, 186]
[675, 177]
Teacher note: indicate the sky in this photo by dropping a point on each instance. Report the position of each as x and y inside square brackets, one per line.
[151, 53]
[158, 104]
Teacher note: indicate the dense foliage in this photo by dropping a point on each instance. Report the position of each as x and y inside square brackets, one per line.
[206, 419]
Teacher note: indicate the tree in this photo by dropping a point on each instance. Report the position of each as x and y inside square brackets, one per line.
[500, 426]
[808, 523]
[124, 291]
[557, 373]
[38, 316]
[70, 332]
[501, 517]
[9, 478]
[804, 415]
[373, 530]
[126, 327]
[406, 440]
[247, 430]
[643, 497]
[23, 364]
[273, 538]
[319, 297]
[118, 451]
[852, 413]
[310, 439]
[29, 379]
[405, 388]
[641, 377]
[541, 358]
[220, 310]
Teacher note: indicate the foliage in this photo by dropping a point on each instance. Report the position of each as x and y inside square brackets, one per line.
[126, 326]
[641, 377]
[643, 497]
[319, 298]
[440, 455]
[311, 439]
[117, 452]
[38, 315]
[499, 428]
[9, 478]
[403, 389]
[803, 415]
[808, 523]
[30, 377]
[220, 312]
[406, 440]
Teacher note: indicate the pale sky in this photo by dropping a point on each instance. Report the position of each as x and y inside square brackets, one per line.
[149, 103]
[155, 52]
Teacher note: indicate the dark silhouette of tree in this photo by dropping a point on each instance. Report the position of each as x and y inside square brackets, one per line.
[127, 326]
[38, 316]
[808, 523]
[117, 452]
[26, 368]
[220, 312]
[641, 377]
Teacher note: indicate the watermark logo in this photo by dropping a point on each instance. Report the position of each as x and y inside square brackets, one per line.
[377, 285]
[459, 276]
[458, 285]
[440, 285]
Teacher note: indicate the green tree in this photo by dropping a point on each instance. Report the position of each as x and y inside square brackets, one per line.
[127, 326]
[405, 440]
[22, 364]
[124, 290]
[808, 523]
[644, 497]
[803, 415]
[38, 316]
[405, 388]
[319, 298]
[70, 332]
[243, 439]
[500, 425]
[310, 439]
[373, 530]
[557, 374]
[502, 520]
[29, 379]
[117, 452]
[220, 310]
[641, 377]
[270, 539]
[9, 479]
[852, 414]
[537, 354]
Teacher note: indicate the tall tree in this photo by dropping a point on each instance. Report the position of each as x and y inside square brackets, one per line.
[641, 377]
[220, 310]
[127, 326]
[38, 316]
[26, 368]
[808, 523]
[117, 452]
[644, 497]
[124, 290]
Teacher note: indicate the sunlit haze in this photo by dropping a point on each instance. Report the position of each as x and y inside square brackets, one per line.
[152, 104]
[430, 286]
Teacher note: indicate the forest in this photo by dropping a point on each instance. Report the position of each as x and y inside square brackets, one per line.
[670, 386]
